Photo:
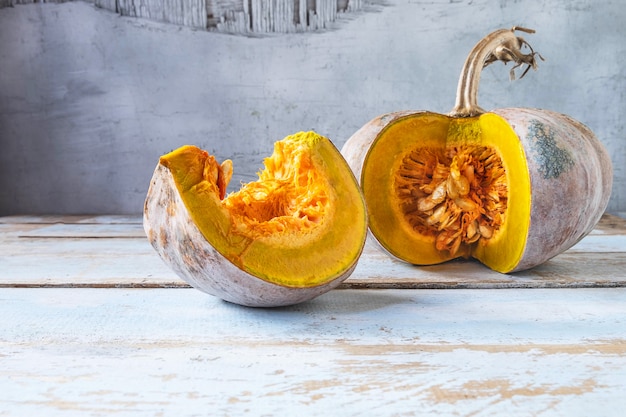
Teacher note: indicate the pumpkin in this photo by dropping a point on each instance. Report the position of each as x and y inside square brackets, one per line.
[293, 234]
[510, 187]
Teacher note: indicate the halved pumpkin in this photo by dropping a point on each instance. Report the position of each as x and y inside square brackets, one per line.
[511, 187]
[292, 235]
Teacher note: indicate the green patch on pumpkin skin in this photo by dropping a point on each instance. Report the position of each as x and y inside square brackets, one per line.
[552, 160]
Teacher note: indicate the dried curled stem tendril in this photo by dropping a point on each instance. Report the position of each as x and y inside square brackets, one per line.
[506, 53]
[501, 45]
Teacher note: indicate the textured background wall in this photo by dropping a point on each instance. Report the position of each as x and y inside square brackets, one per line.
[89, 100]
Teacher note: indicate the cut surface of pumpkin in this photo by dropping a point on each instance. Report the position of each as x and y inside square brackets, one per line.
[301, 224]
[439, 188]
[513, 187]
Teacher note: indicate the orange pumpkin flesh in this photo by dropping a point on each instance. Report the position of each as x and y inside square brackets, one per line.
[295, 233]
[494, 186]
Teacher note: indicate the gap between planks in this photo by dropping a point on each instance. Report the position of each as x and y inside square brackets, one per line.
[356, 285]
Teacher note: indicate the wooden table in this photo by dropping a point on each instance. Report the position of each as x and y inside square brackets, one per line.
[94, 324]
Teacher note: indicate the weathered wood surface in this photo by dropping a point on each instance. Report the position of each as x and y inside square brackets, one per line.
[107, 352]
[231, 16]
[192, 13]
[368, 349]
[113, 251]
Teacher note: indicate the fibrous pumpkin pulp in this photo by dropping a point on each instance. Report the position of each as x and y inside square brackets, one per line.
[292, 235]
[511, 187]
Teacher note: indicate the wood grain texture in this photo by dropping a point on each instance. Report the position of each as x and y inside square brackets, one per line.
[112, 251]
[231, 16]
[76, 352]
[107, 4]
[190, 13]
[93, 349]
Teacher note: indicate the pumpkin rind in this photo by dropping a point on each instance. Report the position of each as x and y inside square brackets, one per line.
[571, 179]
[190, 252]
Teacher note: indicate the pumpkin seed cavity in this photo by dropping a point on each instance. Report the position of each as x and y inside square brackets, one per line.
[457, 195]
[289, 196]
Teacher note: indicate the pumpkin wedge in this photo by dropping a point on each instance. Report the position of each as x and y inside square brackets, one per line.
[292, 235]
[510, 187]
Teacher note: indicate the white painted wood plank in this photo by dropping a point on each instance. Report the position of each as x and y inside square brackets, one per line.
[70, 226]
[76, 352]
[600, 243]
[83, 262]
[101, 227]
[71, 219]
[132, 262]
[113, 251]
[82, 230]
[570, 269]
[113, 219]
[85, 228]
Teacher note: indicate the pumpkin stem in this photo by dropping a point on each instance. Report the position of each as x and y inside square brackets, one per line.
[501, 45]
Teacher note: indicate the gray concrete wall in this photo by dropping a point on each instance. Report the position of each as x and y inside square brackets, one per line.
[89, 100]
